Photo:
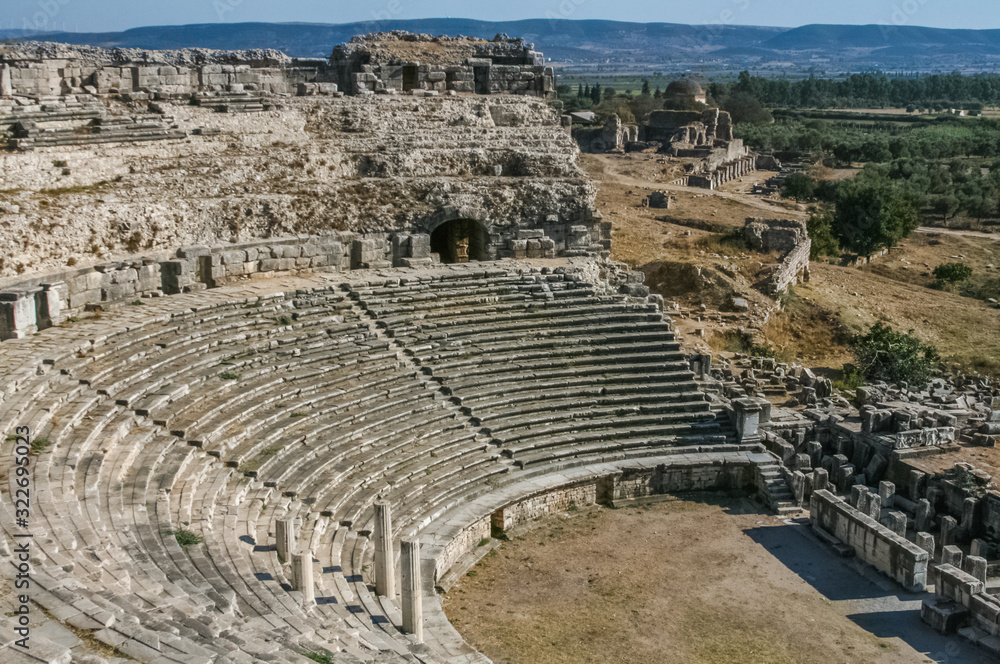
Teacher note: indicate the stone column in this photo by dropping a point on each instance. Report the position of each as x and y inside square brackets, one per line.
[948, 526]
[385, 573]
[969, 509]
[916, 482]
[874, 506]
[897, 523]
[862, 500]
[413, 613]
[302, 577]
[926, 542]
[856, 491]
[951, 555]
[6, 88]
[284, 535]
[821, 479]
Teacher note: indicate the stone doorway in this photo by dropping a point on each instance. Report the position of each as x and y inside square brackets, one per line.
[459, 241]
[482, 78]
[411, 79]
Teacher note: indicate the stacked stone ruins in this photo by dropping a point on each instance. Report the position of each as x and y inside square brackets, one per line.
[398, 62]
[790, 240]
[867, 469]
[335, 343]
[393, 62]
[703, 140]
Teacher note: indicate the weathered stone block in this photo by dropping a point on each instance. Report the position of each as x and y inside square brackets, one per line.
[17, 314]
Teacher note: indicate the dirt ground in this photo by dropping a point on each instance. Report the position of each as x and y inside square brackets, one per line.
[698, 582]
[623, 181]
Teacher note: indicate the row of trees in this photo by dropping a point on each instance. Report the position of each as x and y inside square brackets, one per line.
[874, 89]
[883, 203]
[940, 138]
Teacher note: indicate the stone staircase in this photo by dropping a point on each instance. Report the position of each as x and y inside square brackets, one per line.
[780, 497]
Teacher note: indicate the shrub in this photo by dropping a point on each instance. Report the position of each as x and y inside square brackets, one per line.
[850, 380]
[186, 538]
[38, 445]
[952, 273]
[891, 356]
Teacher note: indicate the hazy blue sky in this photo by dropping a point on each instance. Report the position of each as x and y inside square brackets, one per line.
[101, 15]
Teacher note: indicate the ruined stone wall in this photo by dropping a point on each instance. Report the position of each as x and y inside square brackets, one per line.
[35, 303]
[787, 237]
[56, 77]
[375, 164]
[872, 542]
[45, 70]
[533, 507]
[403, 62]
[612, 137]
[969, 592]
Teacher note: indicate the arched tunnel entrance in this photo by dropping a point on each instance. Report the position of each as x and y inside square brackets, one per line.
[459, 241]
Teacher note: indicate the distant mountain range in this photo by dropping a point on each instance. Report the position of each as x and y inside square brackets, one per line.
[609, 45]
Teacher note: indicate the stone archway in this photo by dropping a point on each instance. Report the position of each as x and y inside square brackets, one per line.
[459, 241]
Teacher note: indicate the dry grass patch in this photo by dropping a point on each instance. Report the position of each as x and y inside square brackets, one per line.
[680, 582]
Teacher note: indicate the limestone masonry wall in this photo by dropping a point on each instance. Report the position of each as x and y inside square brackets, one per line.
[35, 303]
[893, 554]
[384, 63]
[788, 237]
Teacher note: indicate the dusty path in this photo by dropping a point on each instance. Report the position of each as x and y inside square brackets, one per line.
[703, 580]
[612, 171]
[945, 231]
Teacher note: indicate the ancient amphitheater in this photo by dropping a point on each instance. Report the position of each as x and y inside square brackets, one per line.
[276, 372]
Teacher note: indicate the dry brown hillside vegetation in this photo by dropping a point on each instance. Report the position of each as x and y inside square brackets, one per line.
[707, 266]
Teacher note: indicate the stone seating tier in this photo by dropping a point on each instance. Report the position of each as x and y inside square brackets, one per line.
[224, 412]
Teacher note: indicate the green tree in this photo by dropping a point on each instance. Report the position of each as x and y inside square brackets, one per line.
[952, 273]
[745, 108]
[595, 93]
[799, 185]
[872, 215]
[820, 227]
[887, 355]
[645, 86]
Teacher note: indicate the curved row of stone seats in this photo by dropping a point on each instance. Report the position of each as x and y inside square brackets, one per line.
[463, 352]
[332, 402]
[180, 517]
[113, 478]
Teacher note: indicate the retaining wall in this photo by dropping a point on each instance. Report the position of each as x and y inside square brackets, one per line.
[872, 542]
